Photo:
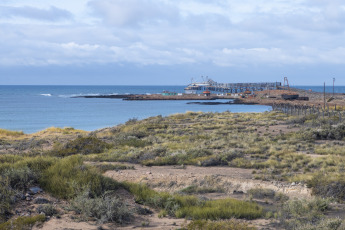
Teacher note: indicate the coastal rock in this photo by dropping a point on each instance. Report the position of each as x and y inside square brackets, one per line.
[35, 190]
[41, 200]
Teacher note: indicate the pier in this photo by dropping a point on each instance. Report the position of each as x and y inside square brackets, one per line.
[213, 86]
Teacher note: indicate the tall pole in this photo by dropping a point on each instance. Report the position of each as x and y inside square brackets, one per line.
[333, 86]
[324, 96]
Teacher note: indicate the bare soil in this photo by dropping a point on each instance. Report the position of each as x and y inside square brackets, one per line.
[232, 180]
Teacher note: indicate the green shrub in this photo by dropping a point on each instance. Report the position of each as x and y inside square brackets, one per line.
[327, 224]
[19, 178]
[6, 196]
[5, 132]
[328, 185]
[106, 167]
[160, 200]
[221, 209]
[22, 223]
[81, 145]
[69, 176]
[133, 142]
[217, 225]
[261, 193]
[105, 208]
[9, 158]
[200, 190]
[46, 209]
[37, 164]
[295, 213]
[330, 132]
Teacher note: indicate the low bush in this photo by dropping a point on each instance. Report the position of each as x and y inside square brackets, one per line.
[296, 213]
[46, 209]
[221, 209]
[104, 208]
[6, 199]
[80, 145]
[69, 176]
[9, 133]
[231, 224]
[261, 193]
[330, 132]
[194, 189]
[19, 178]
[22, 223]
[106, 167]
[332, 186]
[133, 142]
[325, 223]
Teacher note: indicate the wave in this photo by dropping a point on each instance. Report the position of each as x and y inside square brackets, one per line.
[46, 94]
[85, 94]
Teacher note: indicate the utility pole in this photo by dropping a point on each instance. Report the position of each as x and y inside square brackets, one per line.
[324, 96]
[333, 86]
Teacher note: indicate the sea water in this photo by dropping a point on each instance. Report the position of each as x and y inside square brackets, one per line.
[34, 108]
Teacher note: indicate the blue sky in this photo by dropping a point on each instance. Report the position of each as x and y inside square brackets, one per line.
[162, 42]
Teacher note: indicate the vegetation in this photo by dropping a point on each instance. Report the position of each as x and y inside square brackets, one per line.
[22, 223]
[81, 145]
[194, 189]
[221, 209]
[106, 208]
[115, 167]
[194, 208]
[217, 225]
[8, 133]
[307, 214]
[304, 150]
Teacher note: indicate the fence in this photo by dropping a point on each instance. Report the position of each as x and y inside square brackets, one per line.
[304, 110]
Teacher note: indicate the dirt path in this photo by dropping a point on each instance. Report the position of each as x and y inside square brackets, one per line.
[232, 180]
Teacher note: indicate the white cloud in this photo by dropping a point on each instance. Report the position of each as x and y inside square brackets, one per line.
[133, 12]
[51, 14]
[171, 32]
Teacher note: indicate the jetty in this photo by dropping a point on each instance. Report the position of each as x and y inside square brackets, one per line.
[214, 86]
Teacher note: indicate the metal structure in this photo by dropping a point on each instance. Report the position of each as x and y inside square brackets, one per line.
[286, 83]
[213, 86]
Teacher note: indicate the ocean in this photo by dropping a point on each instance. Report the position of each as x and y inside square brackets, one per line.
[34, 108]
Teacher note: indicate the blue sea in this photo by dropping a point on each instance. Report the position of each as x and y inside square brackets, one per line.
[34, 108]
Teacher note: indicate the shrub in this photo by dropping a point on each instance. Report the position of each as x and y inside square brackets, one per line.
[217, 225]
[19, 178]
[296, 213]
[330, 132]
[327, 224]
[68, 176]
[160, 200]
[221, 209]
[46, 209]
[196, 189]
[6, 194]
[133, 142]
[106, 167]
[328, 185]
[105, 208]
[5, 132]
[22, 223]
[81, 145]
[261, 193]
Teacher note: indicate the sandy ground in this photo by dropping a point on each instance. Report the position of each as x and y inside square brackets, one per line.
[175, 178]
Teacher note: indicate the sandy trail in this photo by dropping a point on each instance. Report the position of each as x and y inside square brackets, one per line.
[175, 178]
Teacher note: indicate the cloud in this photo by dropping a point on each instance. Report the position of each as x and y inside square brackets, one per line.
[134, 12]
[173, 32]
[51, 14]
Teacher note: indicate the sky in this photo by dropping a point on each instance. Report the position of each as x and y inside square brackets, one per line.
[169, 42]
